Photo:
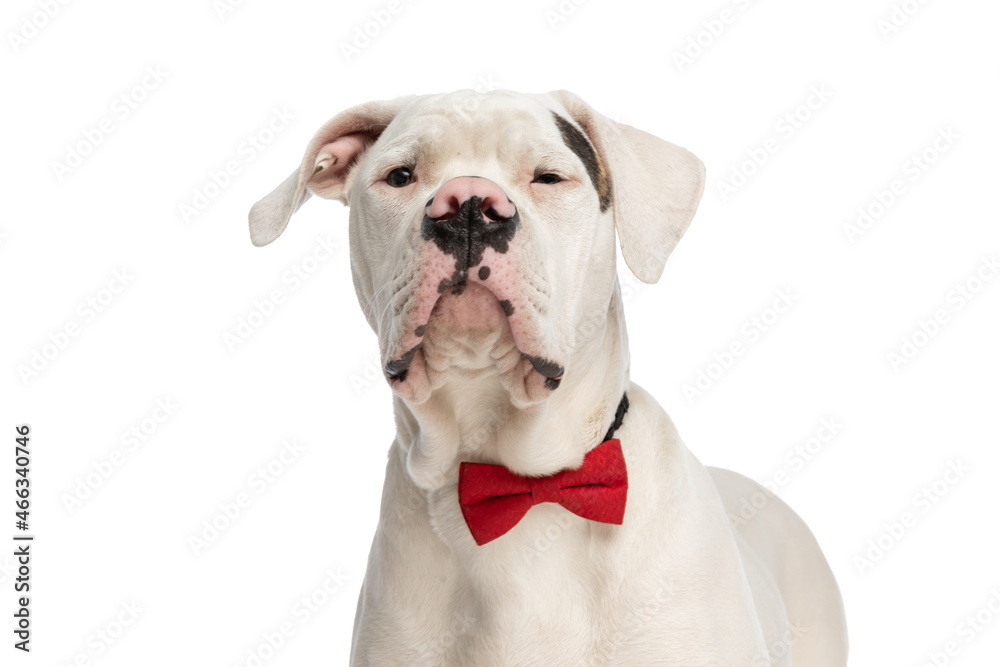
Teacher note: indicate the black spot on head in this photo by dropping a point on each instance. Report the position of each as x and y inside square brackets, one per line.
[577, 142]
[508, 309]
[420, 331]
[484, 272]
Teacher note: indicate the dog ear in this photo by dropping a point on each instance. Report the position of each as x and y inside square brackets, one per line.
[654, 187]
[329, 156]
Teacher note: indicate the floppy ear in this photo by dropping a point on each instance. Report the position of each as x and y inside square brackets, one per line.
[332, 151]
[655, 186]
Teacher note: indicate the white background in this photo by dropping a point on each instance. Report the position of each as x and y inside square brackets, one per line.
[308, 371]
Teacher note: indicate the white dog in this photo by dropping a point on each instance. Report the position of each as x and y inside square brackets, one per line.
[539, 508]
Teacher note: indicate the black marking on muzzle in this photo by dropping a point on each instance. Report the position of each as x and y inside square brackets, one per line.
[466, 236]
[398, 369]
[552, 371]
[577, 142]
[456, 283]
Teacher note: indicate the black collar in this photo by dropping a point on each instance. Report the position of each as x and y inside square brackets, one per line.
[619, 417]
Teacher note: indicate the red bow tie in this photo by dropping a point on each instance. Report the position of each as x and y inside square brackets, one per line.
[493, 499]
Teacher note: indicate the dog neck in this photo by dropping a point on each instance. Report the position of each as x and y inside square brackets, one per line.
[472, 418]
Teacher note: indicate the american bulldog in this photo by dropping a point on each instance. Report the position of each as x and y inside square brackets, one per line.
[539, 508]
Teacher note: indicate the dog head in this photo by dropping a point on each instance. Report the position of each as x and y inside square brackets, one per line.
[482, 228]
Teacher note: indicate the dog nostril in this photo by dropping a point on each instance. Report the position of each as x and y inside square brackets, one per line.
[464, 195]
[490, 214]
[450, 210]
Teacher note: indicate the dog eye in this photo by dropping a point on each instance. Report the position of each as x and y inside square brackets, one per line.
[547, 179]
[399, 177]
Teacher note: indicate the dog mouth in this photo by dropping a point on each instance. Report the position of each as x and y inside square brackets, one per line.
[470, 311]
[470, 329]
